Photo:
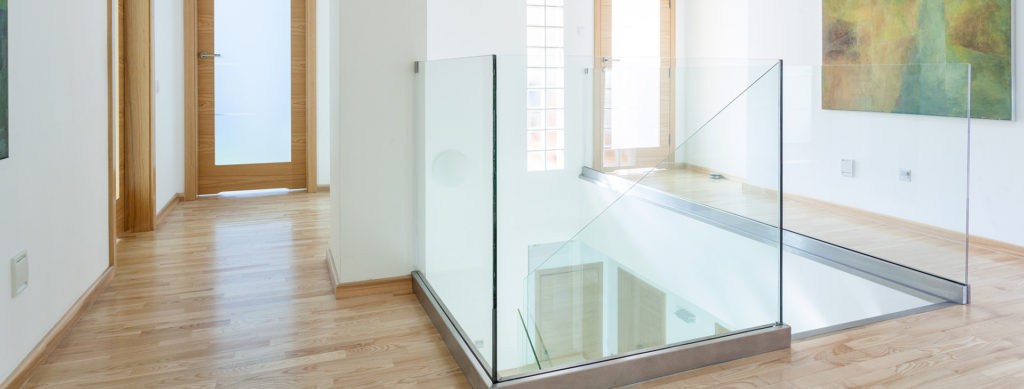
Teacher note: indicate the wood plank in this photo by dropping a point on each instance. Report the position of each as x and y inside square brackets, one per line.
[24, 371]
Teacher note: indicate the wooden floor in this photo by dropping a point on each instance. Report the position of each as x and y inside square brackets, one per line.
[910, 244]
[234, 292]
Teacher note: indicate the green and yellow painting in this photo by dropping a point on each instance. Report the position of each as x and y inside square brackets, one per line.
[4, 151]
[911, 56]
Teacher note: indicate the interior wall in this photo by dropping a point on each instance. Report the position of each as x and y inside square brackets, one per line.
[372, 218]
[169, 99]
[53, 201]
[933, 147]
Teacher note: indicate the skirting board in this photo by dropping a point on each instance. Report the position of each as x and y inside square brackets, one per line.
[173, 203]
[24, 371]
[393, 285]
[323, 188]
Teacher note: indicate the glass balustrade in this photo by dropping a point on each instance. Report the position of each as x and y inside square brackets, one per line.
[575, 210]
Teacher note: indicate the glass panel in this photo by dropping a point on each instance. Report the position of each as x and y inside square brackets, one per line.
[863, 174]
[253, 118]
[639, 276]
[590, 265]
[458, 174]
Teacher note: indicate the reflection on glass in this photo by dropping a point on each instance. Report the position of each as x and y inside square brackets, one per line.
[253, 82]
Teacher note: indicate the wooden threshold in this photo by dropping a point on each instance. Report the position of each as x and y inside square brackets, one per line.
[24, 371]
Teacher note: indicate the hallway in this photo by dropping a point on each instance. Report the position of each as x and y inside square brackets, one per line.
[234, 292]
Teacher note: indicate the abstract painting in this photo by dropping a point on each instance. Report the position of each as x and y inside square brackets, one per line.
[910, 56]
[4, 151]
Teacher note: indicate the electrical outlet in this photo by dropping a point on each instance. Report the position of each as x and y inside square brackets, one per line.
[19, 273]
[905, 175]
[846, 167]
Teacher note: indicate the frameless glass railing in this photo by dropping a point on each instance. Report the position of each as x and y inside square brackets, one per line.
[575, 210]
[876, 161]
[505, 140]
[640, 277]
[456, 116]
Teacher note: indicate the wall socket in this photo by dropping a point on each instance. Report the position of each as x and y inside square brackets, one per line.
[846, 167]
[19, 273]
[905, 175]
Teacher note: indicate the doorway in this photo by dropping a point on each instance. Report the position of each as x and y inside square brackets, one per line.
[250, 95]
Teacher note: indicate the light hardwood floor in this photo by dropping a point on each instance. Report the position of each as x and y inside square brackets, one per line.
[234, 292]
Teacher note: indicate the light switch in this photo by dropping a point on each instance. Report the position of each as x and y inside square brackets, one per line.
[19, 273]
[846, 167]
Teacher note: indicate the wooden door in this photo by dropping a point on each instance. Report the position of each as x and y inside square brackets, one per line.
[636, 66]
[217, 172]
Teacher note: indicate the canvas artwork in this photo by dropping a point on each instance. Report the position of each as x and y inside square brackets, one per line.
[902, 56]
[4, 150]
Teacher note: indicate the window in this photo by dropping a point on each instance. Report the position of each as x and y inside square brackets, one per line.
[545, 83]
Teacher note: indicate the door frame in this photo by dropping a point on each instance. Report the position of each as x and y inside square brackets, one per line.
[192, 99]
[130, 118]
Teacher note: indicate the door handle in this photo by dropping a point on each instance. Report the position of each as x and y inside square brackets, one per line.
[205, 55]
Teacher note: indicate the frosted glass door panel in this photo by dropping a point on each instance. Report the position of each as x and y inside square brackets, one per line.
[253, 82]
[634, 87]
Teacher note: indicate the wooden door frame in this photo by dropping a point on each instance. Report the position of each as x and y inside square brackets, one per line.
[192, 99]
[129, 33]
[602, 48]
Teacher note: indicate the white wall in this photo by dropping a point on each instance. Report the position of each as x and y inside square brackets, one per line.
[881, 143]
[372, 217]
[169, 99]
[53, 189]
